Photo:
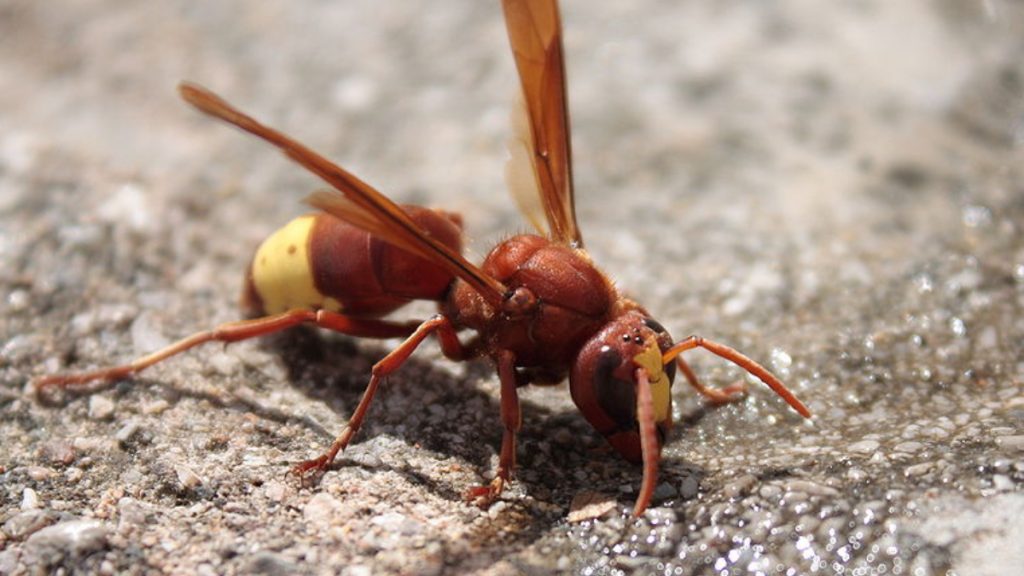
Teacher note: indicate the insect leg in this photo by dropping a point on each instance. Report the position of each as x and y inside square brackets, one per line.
[232, 332]
[511, 420]
[450, 346]
[731, 393]
[738, 358]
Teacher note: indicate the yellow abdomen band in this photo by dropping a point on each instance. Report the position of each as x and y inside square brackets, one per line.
[281, 271]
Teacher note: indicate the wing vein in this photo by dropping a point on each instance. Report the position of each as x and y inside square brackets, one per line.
[535, 34]
[355, 201]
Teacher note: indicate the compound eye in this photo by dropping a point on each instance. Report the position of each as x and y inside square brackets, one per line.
[655, 325]
[615, 396]
[664, 343]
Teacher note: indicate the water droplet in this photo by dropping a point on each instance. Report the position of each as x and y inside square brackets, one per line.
[780, 359]
[924, 283]
[18, 300]
[958, 327]
[975, 216]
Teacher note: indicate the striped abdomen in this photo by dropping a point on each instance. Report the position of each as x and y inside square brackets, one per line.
[317, 261]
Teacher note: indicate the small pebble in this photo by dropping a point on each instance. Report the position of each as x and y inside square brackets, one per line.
[864, 447]
[633, 562]
[1002, 482]
[131, 514]
[18, 299]
[1011, 443]
[589, 506]
[67, 540]
[155, 407]
[918, 470]
[126, 432]
[395, 523]
[689, 487]
[270, 564]
[275, 491]
[225, 363]
[739, 486]
[663, 491]
[101, 407]
[59, 452]
[91, 444]
[8, 559]
[497, 509]
[321, 508]
[24, 523]
[856, 474]
[40, 473]
[908, 447]
[187, 477]
[810, 488]
[29, 499]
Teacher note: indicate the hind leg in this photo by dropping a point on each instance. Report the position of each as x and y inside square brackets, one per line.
[230, 332]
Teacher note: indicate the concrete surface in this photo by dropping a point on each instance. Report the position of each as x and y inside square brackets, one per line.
[834, 188]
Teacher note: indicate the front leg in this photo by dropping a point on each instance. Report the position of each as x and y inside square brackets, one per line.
[511, 420]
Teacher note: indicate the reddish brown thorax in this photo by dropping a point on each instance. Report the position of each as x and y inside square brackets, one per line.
[556, 300]
[561, 313]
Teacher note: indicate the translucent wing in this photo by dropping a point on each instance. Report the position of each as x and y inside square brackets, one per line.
[521, 170]
[535, 32]
[355, 202]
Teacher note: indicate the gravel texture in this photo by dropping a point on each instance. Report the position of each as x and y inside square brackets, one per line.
[833, 188]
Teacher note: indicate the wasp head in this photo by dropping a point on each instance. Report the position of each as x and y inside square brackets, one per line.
[606, 382]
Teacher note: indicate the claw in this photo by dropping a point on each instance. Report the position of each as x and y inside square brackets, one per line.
[317, 465]
[732, 393]
[309, 468]
[45, 391]
[484, 496]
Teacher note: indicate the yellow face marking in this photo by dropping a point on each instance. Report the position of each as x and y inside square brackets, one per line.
[650, 360]
[281, 270]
